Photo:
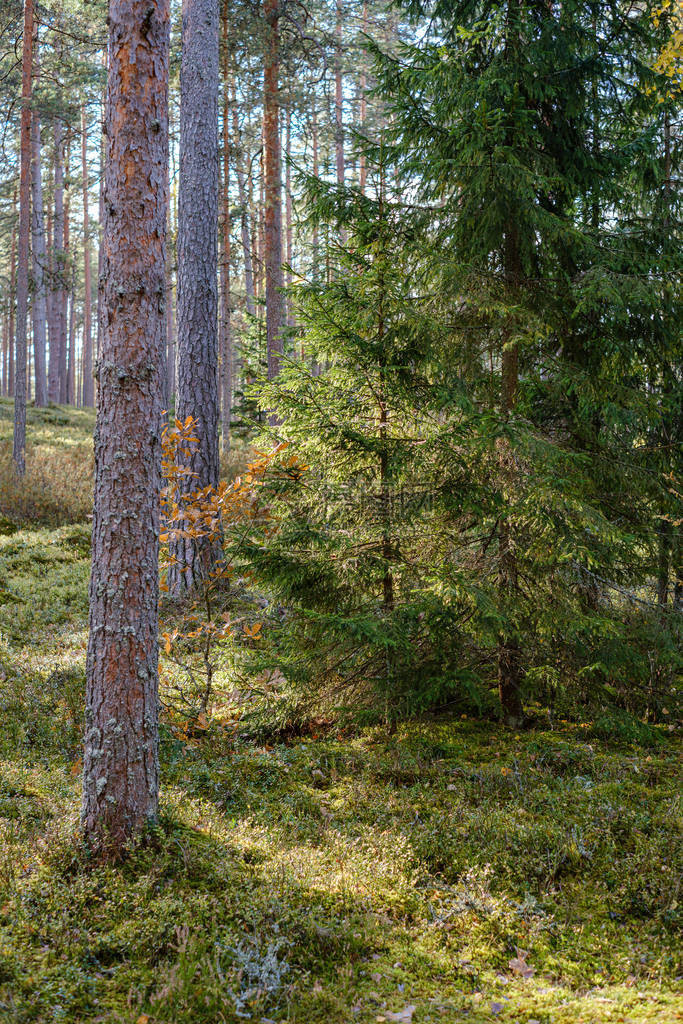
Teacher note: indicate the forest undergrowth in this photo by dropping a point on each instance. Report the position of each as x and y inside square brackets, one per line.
[449, 870]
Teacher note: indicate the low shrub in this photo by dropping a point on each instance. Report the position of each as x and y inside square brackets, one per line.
[56, 489]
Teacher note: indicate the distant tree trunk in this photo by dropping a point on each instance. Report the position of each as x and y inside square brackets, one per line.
[88, 383]
[273, 190]
[362, 174]
[170, 331]
[198, 265]
[338, 99]
[120, 762]
[72, 393]
[5, 352]
[100, 297]
[39, 258]
[53, 336]
[244, 211]
[226, 326]
[68, 274]
[289, 227]
[19, 450]
[510, 669]
[60, 258]
[316, 171]
[12, 299]
[171, 357]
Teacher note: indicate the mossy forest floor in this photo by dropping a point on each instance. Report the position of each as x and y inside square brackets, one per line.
[453, 871]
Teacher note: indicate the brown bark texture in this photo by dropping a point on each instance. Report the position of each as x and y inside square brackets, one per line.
[19, 447]
[197, 302]
[120, 769]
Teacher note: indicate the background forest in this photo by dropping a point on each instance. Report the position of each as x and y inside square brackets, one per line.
[406, 282]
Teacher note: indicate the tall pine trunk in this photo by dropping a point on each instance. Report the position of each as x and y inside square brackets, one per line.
[19, 447]
[88, 384]
[244, 210]
[226, 325]
[39, 257]
[362, 173]
[60, 259]
[273, 190]
[198, 267]
[120, 763]
[12, 299]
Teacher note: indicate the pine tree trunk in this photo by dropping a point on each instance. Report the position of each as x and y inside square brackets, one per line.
[12, 299]
[19, 448]
[273, 191]
[100, 298]
[68, 274]
[60, 258]
[198, 266]
[289, 231]
[362, 174]
[72, 394]
[121, 770]
[316, 170]
[39, 258]
[53, 355]
[226, 326]
[88, 384]
[338, 99]
[244, 208]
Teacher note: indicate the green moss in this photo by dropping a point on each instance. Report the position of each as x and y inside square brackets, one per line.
[327, 881]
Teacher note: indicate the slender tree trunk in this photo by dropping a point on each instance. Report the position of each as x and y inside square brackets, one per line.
[120, 763]
[53, 355]
[362, 174]
[12, 300]
[19, 449]
[71, 393]
[39, 258]
[226, 326]
[88, 383]
[338, 99]
[244, 208]
[316, 172]
[273, 191]
[170, 324]
[5, 352]
[68, 273]
[289, 233]
[104, 149]
[198, 266]
[60, 258]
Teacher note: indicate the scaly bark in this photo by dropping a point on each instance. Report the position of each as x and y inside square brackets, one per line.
[120, 763]
[19, 448]
[198, 267]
